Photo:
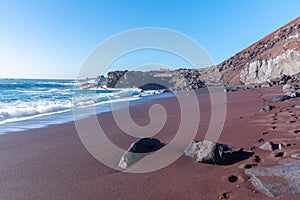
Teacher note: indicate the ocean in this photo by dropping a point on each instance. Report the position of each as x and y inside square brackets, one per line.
[34, 103]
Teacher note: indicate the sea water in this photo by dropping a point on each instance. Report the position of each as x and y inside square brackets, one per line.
[35, 103]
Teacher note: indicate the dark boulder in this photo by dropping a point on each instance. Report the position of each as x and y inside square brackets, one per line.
[138, 150]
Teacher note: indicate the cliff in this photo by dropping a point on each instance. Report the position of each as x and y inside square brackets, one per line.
[271, 57]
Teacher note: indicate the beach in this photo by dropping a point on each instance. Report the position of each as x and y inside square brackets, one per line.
[52, 163]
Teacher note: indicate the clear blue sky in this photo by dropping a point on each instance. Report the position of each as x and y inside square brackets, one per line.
[52, 38]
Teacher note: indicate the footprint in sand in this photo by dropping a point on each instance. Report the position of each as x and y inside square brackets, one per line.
[257, 159]
[225, 195]
[296, 131]
[260, 140]
[265, 133]
[232, 179]
[289, 145]
[248, 166]
[279, 154]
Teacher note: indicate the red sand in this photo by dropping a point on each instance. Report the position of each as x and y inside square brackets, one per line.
[52, 163]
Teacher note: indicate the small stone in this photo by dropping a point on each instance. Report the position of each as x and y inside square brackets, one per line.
[296, 155]
[270, 146]
[267, 108]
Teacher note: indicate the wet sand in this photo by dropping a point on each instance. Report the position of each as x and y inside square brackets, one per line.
[52, 163]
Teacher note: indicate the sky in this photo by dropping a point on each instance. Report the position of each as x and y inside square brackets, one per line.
[53, 38]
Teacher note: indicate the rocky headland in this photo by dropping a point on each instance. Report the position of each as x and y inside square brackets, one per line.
[272, 58]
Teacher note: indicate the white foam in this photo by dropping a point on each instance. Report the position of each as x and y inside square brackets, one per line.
[20, 109]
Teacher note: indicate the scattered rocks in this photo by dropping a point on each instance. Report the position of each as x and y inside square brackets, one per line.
[138, 150]
[267, 108]
[214, 153]
[238, 88]
[270, 146]
[276, 180]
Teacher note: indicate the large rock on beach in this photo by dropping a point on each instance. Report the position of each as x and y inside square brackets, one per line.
[276, 180]
[214, 153]
[138, 150]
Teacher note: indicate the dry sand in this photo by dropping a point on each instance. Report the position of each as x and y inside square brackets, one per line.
[52, 163]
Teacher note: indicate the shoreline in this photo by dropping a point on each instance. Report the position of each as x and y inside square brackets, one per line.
[52, 163]
[64, 116]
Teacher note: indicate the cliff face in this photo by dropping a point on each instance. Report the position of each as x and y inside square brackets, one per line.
[173, 80]
[271, 57]
[263, 70]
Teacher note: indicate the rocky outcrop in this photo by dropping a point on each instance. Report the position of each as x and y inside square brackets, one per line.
[113, 78]
[273, 57]
[174, 80]
[262, 70]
